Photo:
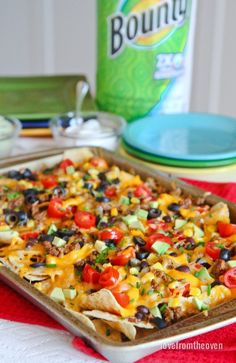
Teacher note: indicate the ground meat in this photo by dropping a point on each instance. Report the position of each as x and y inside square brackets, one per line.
[218, 268]
[51, 249]
[38, 211]
[43, 197]
[187, 202]
[161, 275]
[200, 200]
[16, 202]
[173, 314]
[168, 263]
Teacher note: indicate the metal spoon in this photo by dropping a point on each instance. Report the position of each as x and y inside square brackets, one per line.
[82, 88]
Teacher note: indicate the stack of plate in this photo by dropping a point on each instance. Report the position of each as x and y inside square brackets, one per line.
[196, 145]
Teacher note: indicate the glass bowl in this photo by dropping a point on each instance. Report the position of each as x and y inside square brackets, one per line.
[9, 130]
[91, 128]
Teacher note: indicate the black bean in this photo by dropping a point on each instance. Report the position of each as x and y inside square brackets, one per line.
[103, 199]
[58, 191]
[102, 176]
[174, 207]
[144, 264]
[30, 191]
[31, 199]
[22, 217]
[102, 186]
[46, 237]
[115, 181]
[160, 323]
[81, 243]
[88, 185]
[133, 262]
[173, 254]
[64, 233]
[109, 243]
[167, 219]
[111, 221]
[216, 283]
[129, 195]
[225, 254]
[153, 213]
[183, 268]
[27, 174]
[191, 241]
[233, 251]
[141, 255]
[206, 264]
[139, 241]
[14, 174]
[102, 225]
[143, 309]
[139, 316]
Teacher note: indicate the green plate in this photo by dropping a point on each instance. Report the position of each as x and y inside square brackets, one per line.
[175, 162]
[35, 98]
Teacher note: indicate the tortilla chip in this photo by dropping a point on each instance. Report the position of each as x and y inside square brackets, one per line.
[82, 318]
[101, 300]
[122, 325]
[107, 331]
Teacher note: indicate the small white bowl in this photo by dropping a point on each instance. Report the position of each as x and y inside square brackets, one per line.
[92, 128]
[9, 130]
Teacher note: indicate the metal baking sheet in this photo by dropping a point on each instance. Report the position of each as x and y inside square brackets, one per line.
[127, 352]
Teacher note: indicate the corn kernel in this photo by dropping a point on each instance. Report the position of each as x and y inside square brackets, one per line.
[188, 232]
[149, 276]
[194, 291]
[114, 212]
[174, 302]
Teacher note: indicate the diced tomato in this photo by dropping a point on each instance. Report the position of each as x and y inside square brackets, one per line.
[55, 208]
[123, 257]
[109, 277]
[65, 163]
[183, 290]
[85, 219]
[122, 298]
[114, 234]
[157, 237]
[110, 192]
[212, 250]
[99, 163]
[90, 275]
[49, 181]
[26, 235]
[142, 191]
[230, 278]
[226, 229]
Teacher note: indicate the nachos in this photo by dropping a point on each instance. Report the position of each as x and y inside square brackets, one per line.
[124, 255]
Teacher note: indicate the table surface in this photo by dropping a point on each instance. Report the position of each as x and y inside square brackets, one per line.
[30, 343]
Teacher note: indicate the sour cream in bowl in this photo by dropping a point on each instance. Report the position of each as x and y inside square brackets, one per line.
[89, 128]
[9, 130]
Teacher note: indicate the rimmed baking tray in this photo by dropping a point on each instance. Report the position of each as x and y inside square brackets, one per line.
[126, 352]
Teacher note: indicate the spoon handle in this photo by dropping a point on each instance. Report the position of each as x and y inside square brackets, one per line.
[82, 88]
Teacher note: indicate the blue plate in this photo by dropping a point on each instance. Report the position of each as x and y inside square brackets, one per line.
[188, 136]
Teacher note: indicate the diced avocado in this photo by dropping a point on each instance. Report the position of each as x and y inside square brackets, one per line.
[132, 221]
[58, 242]
[57, 295]
[232, 263]
[198, 232]
[100, 246]
[179, 223]
[70, 169]
[204, 276]
[160, 247]
[200, 304]
[52, 229]
[69, 293]
[155, 312]
[154, 204]
[135, 200]
[6, 236]
[134, 271]
[142, 213]
[124, 200]
[93, 172]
